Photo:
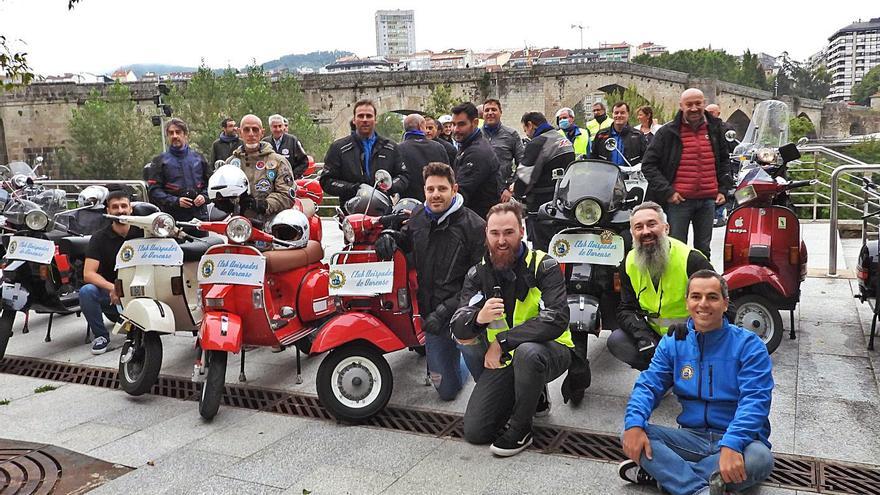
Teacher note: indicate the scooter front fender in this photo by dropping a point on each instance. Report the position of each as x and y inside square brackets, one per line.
[349, 327]
[149, 314]
[221, 331]
[584, 311]
[748, 275]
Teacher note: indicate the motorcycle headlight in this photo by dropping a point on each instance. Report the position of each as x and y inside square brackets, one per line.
[588, 212]
[36, 220]
[348, 232]
[163, 225]
[765, 155]
[239, 230]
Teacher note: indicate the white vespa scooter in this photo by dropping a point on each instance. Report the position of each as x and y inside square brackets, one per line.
[157, 284]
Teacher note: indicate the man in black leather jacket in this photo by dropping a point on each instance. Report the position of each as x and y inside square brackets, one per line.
[354, 160]
[631, 142]
[445, 239]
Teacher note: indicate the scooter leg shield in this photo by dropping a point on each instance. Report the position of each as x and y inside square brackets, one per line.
[221, 331]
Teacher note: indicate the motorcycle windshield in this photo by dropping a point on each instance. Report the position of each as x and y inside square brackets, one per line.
[595, 179]
[768, 128]
[21, 168]
[753, 175]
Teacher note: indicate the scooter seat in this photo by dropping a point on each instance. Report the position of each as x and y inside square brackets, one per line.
[193, 250]
[283, 260]
[74, 246]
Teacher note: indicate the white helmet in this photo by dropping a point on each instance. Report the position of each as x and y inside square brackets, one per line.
[227, 182]
[291, 226]
[94, 196]
[445, 119]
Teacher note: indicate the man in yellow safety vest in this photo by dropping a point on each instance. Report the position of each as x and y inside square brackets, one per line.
[512, 327]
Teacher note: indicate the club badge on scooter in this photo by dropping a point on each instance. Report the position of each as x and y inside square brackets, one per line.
[561, 248]
[126, 253]
[606, 237]
[12, 247]
[337, 279]
[207, 269]
[687, 372]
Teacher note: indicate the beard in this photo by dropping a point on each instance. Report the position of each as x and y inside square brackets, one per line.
[252, 147]
[502, 259]
[653, 257]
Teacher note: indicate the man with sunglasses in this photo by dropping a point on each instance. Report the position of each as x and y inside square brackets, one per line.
[652, 286]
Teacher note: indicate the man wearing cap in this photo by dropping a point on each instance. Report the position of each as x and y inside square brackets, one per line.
[446, 130]
[433, 131]
[579, 138]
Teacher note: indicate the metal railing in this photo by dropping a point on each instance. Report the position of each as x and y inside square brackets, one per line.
[835, 203]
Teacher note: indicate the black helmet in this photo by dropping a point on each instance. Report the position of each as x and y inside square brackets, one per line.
[410, 204]
[380, 204]
[142, 208]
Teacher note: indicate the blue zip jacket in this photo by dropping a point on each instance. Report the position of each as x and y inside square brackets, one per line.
[176, 173]
[723, 380]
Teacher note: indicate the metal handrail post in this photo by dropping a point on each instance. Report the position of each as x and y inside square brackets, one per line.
[832, 237]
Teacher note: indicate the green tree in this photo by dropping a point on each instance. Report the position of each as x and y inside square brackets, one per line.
[112, 138]
[869, 85]
[800, 127]
[631, 96]
[867, 151]
[705, 62]
[441, 101]
[794, 79]
[390, 125]
[209, 97]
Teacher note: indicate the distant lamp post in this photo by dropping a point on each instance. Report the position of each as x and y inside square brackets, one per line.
[163, 90]
[580, 28]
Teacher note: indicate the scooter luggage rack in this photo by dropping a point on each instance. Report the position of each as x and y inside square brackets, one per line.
[336, 255]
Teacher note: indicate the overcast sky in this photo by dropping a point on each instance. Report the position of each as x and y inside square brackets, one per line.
[100, 35]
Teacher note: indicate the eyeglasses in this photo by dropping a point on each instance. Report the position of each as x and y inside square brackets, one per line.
[646, 314]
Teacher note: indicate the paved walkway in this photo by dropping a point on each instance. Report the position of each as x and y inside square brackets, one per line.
[826, 404]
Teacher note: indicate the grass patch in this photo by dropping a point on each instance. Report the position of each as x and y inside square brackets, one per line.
[44, 388]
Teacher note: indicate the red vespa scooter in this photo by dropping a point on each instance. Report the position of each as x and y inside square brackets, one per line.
[252, 298]
[765, 259]
[380, 315]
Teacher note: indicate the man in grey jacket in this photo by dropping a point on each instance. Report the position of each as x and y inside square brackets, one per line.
[505, 142]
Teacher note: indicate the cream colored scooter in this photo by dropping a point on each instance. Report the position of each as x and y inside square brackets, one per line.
[157, 285]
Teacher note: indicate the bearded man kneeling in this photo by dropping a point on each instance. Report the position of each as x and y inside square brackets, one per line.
[653, 286]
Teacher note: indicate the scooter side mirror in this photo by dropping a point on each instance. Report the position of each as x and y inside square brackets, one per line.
[789, 152]
[802, 141]
[383, 180]
[730, 136]
[611, 144]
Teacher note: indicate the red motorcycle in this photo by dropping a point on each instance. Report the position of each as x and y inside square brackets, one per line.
[380, 313]
[765, 259]
[274, 298]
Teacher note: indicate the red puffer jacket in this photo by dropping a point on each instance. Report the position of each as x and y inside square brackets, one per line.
[695, 178]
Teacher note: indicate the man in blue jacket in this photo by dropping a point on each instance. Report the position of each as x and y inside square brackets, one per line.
[722, 376]
[178, 178]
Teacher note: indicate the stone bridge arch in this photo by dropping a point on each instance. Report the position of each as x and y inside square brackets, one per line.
[812, 134]
[740, 122]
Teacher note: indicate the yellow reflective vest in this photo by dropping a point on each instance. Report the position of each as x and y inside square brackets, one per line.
[526, 309]
[665, 304]
[581, 142]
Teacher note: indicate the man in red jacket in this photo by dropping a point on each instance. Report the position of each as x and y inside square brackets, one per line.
[687, 167]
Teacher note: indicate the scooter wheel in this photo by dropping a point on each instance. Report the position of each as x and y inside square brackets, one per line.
[757, 314]
[140, 372]
[7, 318]
[354, 382]
[212, 389]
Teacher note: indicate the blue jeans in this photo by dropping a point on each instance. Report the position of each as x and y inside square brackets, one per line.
[94, 302]
[684, 459]
[700, 212]
[448, 374]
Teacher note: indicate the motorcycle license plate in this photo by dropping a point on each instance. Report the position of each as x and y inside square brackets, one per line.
[30, 249]
[598, 249]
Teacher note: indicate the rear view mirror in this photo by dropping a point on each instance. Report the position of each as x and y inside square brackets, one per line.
[383, 180]
[789, 152]
[802, 141]
[611, 144]
[730, 136]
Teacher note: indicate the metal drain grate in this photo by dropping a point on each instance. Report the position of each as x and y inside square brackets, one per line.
[790, 471]
[29, 468]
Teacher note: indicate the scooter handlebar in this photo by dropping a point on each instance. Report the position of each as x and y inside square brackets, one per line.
[800, 183]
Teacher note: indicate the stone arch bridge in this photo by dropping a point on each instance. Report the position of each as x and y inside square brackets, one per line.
[33, 120]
